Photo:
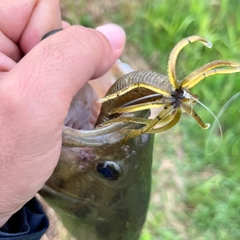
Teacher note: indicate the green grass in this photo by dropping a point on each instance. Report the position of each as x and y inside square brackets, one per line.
[196, 193]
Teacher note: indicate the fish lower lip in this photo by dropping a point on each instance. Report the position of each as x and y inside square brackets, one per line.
[98, 137]
[79, 124]
[84, 109]
[78, 129]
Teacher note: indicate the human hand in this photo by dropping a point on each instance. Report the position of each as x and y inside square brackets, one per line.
[36, 90]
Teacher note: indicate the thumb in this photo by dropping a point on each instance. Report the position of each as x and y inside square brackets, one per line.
[35, 96]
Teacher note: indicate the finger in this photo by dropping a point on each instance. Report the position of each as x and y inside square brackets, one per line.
[32, 19]
[6, 63]
[102, 84]
[9, 48]
[45, 17]
[15, 16]
[117, 40]
[65, 24]
[35, 96]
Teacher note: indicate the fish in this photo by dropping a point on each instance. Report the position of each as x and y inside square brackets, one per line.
[100, 188]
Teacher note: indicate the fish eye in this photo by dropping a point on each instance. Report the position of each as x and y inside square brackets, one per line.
[109, 170]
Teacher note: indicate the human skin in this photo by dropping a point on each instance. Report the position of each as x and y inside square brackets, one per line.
[38, 80]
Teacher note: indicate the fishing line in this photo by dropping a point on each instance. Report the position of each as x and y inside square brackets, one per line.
[224, 108]
[215, 122]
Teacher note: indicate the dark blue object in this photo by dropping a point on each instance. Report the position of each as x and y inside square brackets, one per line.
[106, 172]
[109, 170]
[29, 223]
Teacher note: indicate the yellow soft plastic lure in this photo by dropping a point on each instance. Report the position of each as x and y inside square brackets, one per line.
[141, 90]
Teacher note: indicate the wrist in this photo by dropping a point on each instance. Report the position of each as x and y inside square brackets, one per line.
[30, 222]
[9, 205]
[4, 219]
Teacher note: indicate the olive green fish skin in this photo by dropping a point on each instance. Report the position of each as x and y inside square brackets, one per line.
[93, 207]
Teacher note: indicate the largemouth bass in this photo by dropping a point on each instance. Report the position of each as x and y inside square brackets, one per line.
[100, 188]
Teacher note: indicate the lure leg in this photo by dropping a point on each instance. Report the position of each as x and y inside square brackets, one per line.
[131, 87]
[195, 116]
[174, 54]
[135, 120]
[127, 120]
[174, 120]
[155, 121]
[142, 106]
[208, 70]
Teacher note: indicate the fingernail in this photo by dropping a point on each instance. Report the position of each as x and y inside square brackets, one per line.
[115, 35]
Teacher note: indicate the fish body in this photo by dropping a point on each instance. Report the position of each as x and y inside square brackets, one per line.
[100, 188]
[94, 207]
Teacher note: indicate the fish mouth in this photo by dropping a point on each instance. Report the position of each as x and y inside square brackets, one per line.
[79, 126]
[83, 110]
[79, 130]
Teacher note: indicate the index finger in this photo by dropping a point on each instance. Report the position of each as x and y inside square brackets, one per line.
[32, 19]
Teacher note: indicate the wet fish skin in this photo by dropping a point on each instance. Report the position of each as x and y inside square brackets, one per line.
[93, 207]
[90, 206]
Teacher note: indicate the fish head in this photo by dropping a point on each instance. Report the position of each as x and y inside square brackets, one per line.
[100, 187]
